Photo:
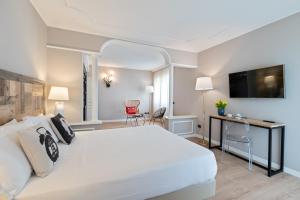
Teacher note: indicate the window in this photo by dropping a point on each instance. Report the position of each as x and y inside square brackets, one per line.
[161, 89]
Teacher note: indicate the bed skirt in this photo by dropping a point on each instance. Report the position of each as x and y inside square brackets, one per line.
[195, 192]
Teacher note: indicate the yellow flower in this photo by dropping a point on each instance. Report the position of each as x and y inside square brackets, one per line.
[221, 104]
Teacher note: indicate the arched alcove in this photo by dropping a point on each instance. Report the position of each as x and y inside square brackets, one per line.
[132, 45]
[129, 55]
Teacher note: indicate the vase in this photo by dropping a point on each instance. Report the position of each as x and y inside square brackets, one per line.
[221, 111]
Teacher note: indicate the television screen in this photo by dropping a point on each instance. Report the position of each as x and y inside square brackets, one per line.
[259, 83]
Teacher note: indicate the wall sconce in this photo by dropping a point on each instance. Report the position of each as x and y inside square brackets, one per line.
[107, 80]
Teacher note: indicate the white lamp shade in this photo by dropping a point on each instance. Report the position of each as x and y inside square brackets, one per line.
[59, 94]
[149, 89]
[204, 83]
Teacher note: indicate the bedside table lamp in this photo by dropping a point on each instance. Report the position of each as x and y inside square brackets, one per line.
[59, 94]
[203, 84]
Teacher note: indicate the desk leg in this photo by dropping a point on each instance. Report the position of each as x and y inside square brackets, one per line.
[270, 153]
[209, 135]
[221, 134]
[282, 149]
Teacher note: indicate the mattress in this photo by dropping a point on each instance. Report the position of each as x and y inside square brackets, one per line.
[128, 164]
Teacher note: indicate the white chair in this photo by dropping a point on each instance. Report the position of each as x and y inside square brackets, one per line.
[234, 138]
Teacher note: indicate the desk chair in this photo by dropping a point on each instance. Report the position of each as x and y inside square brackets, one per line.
[243, 139]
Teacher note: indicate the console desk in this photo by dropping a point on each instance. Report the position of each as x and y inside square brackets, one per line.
[270, 126]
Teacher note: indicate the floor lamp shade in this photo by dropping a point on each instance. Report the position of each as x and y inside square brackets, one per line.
[204, 83]
[149, 89]
[59, 94]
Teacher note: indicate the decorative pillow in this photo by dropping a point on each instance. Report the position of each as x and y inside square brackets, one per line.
[131, 110]
[15, 169]
[44, 121]
[40, 148]
[62, 129]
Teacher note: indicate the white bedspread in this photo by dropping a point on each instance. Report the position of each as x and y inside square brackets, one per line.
[128, 164]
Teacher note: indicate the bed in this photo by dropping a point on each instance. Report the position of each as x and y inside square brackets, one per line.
[128, 164]
[118, 164]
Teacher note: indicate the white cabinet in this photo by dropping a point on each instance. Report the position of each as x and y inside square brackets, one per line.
[182, 124]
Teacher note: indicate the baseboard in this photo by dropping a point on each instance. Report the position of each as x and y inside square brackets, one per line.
[94, 122]
[114, 120]
[256, 158]
[189, 135]
[118, 120]
[292, 172]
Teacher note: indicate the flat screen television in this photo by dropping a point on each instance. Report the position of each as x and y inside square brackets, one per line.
[260, 83]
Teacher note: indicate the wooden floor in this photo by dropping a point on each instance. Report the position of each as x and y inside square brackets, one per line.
[236, 182]
[123, 124]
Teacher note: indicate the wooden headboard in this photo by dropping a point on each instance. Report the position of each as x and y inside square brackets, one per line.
[20, 96]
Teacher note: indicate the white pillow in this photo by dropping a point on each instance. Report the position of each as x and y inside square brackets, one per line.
[15, 169]
[44, 121]
[40, 148]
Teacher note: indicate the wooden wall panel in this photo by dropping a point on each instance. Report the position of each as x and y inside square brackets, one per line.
[20, 96]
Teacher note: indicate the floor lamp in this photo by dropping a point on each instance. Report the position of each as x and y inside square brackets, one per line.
[203, 84]
[150, 89]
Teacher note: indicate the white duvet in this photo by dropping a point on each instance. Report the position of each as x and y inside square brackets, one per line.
[128, 164]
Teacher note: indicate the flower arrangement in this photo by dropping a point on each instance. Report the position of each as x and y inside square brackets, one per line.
[221, 105]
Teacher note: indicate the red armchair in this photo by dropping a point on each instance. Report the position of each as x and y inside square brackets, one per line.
[132, 110]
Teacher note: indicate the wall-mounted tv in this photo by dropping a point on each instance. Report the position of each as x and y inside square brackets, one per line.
[260, 83]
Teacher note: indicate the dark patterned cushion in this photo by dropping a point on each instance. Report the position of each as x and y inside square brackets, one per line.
[62, 129]
[159, 113]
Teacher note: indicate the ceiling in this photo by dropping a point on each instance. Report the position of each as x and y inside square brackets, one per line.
[131, 56]
[190, 25]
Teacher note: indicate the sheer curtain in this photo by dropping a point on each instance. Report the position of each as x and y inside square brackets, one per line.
[161, 89]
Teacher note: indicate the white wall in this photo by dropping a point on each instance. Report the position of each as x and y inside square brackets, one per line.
[127, 84]
[65, 69]
[184, 91]
[23, 38]
[274, 44]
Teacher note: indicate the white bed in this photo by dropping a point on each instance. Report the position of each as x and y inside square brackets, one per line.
[128, 164]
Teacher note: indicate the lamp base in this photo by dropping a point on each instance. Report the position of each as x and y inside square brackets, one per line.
[59, 108]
